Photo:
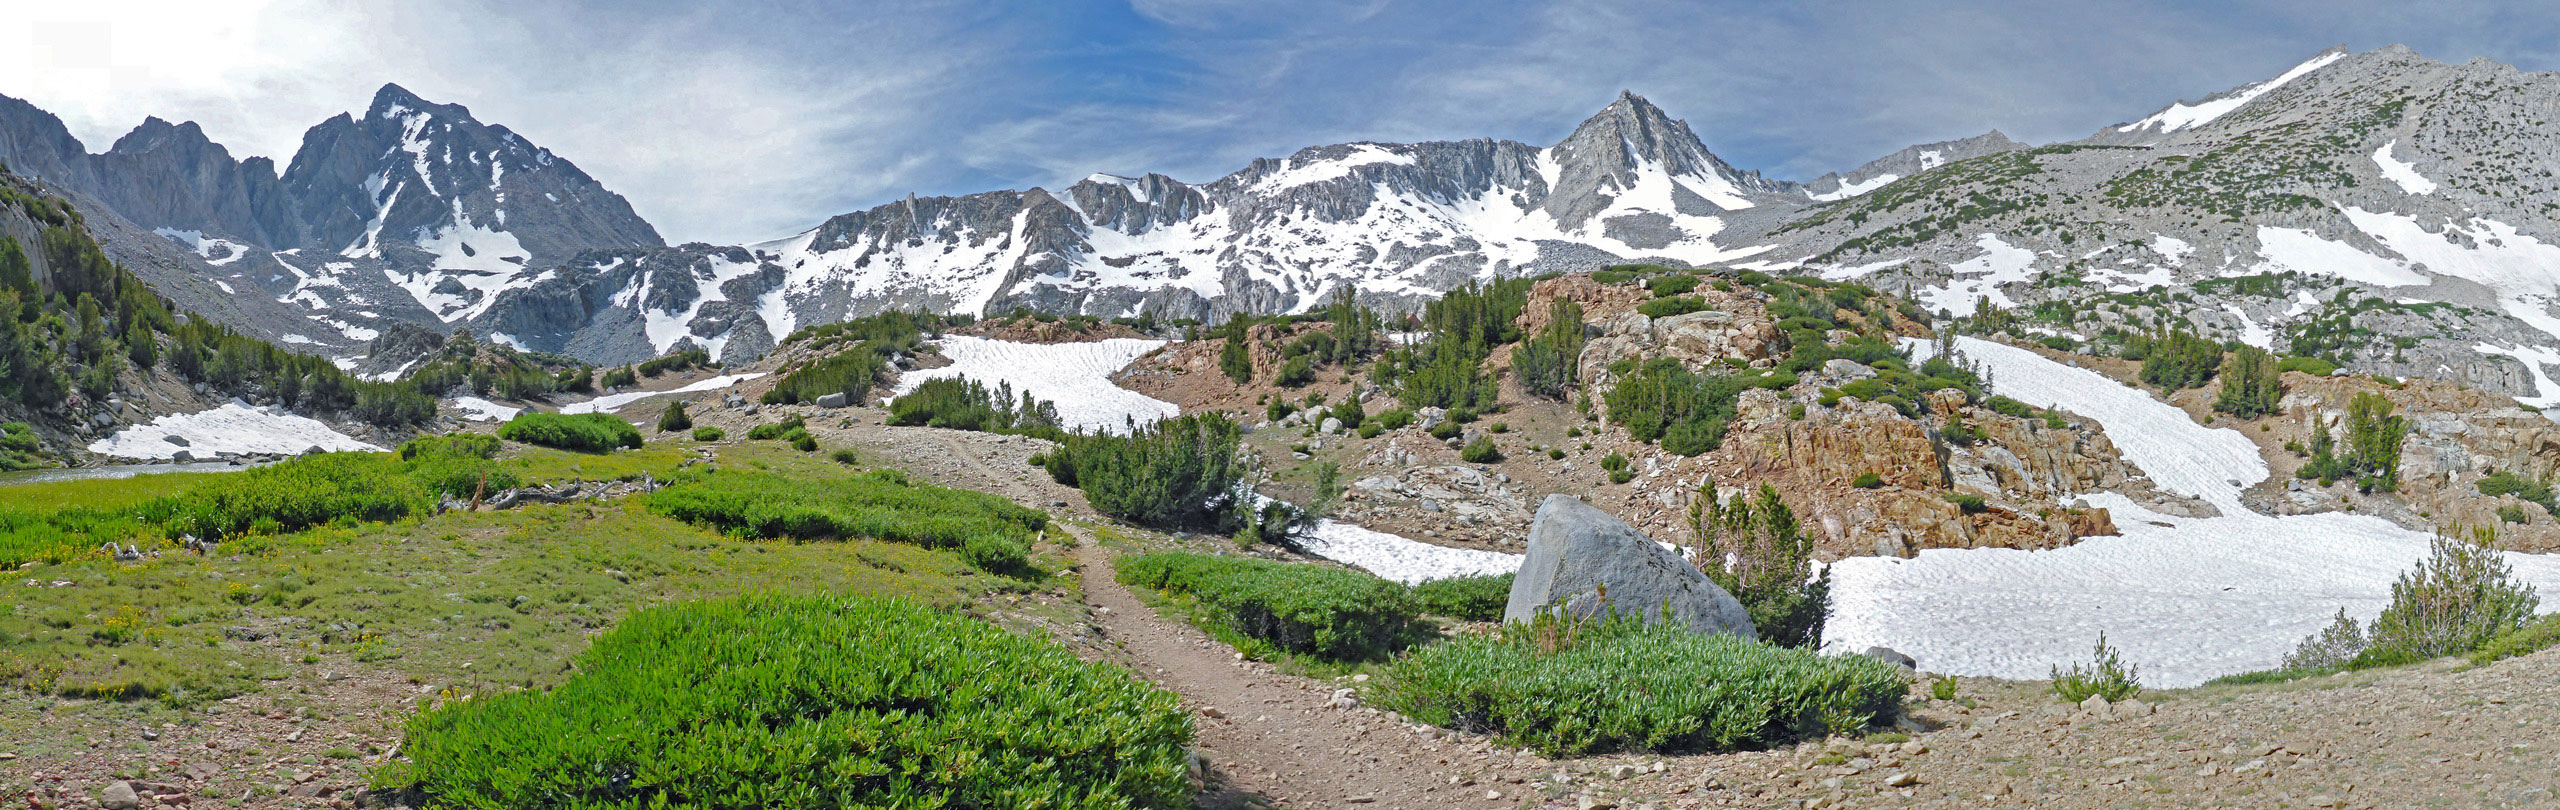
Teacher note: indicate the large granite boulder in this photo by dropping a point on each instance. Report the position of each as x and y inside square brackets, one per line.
[1575, 549]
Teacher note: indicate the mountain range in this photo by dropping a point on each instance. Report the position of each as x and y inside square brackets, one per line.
[2380, 208]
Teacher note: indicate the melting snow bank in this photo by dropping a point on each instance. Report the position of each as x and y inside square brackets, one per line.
[475, 408]
[233, 428]
[1400, 559]
[1076, 376]
[613, 402]
[2187, 599]
[2178, 454]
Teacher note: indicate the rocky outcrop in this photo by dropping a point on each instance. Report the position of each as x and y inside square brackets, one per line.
[2457, 436]
[1585, 563]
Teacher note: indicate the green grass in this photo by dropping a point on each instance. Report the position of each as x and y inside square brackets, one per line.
[790, 701]
[991, 532]
[2537, 635]
[100, 493]
[512, 593]
[1571, 690]
[1330, 613]
[544, 465]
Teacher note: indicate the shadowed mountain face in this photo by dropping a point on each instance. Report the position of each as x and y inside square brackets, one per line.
[2359, 186]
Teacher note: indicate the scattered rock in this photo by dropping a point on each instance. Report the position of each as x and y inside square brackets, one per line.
[1904, 779]
[119, 796]
[831, 401]
[2096, 704]
[1888, 655]
[1576, 551]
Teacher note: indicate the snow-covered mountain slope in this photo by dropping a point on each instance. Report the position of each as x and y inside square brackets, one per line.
[2389, 211]
[414, 212]
[1909, 162]
[1398, 222]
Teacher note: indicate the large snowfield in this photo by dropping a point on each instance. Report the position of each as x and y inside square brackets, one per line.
[1075, 376]
[2188, 599]
[232, 428]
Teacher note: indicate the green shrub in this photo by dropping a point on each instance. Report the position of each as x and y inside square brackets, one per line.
[1867, 480]
[1942, 687]
[2251, 384]
[777, 430]
[19, 447]
[1663, 401]
[1297, 371]
[1555, 454]
[1371, 430]
[1755, 550]
[1446, 429]
[959, 403]
[2537, 635]
[1568, 690]
[2332, 649]
[847, 457]
[2106, 676]
[298, 494]
[674, 418]
[582, 432]
[1474, 599]
[2502, 482]
[2458, 599]
[879, 505]
[622, 377]
[1236, 358]
[2313, 366]
[1675, 305]
[1668, 285]
[819, 701]
[2180, 360]
[707, 433]
[1183, 472]
[1394, 419]
[1550, 362]
[1620, 470]
[459, 465]
[1332, 613]
[1967, 502]
[800, 440]
[1480, 451]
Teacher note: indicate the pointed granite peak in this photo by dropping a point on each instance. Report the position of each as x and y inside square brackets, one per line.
[393, 101]
[157, 133]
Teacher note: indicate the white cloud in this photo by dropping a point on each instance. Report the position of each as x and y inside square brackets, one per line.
[710, 137]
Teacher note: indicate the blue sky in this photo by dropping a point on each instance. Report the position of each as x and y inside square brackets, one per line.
[751, 120]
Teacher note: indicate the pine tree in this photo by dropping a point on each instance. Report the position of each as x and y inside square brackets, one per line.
[1236, 359]
[1755, 549]
[674, 419]
[2251, 385]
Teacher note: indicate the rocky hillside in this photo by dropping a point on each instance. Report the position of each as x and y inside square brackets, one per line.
[2380, 210]
[414, 212]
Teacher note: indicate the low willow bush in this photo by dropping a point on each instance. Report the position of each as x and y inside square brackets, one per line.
[309, 491]
[1325, 612]
[820, 701]
[579, 432]
[1475, 599]
[1568, 689]
[461, 465]
[990, 532]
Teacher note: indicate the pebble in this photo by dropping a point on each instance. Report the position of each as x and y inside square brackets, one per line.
[1901, 780]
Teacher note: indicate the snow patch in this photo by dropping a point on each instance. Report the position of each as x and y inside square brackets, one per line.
[1980, 277]
[1075, 376]
[1848, 189]
[2300, 250]
[613, 402]
[2188, 599]
[2405, 175]
[481, 410]
[1317, 171]
[1399, 558]
[232, 428]
[2187, 116]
